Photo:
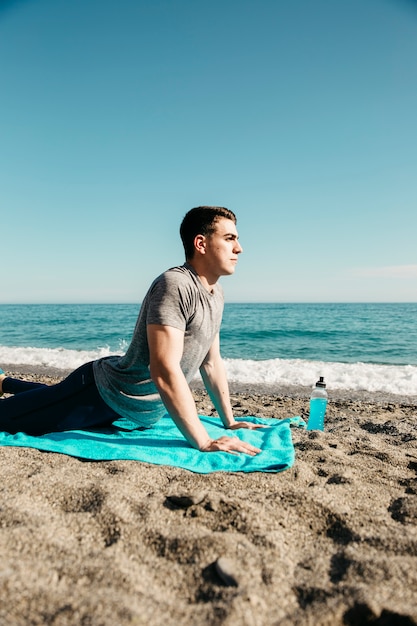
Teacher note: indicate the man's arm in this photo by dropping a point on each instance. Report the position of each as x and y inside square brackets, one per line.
[166, 347]
[214, 376]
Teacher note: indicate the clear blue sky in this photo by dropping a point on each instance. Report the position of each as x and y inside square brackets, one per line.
[117, 116]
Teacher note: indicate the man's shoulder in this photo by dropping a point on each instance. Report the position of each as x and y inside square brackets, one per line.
[178, 275]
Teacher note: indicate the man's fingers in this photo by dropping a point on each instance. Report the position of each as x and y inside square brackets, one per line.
[233, 445]
[247, 425]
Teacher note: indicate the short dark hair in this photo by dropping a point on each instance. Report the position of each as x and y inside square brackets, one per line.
[201, 221]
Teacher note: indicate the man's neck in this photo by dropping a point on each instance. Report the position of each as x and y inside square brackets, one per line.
[207, 281]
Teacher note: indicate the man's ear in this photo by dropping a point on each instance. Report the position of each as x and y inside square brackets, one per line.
[200, 244]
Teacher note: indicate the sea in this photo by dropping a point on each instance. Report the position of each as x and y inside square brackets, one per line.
[362, 347]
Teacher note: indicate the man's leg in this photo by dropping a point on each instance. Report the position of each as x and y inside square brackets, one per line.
[15, 385]
[72, 404]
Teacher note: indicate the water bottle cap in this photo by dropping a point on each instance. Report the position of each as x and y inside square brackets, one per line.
[321, 383]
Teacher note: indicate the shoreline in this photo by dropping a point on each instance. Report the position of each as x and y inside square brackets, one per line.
[331, 541]
[52, 375]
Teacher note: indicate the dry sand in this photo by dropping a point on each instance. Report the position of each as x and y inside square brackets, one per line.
[331, 541]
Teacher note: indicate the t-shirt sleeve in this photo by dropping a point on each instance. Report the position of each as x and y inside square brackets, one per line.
[171, 301]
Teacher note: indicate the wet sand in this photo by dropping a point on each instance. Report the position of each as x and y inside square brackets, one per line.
[331, 541]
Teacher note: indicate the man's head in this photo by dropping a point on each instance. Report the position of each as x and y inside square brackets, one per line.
[201, 221]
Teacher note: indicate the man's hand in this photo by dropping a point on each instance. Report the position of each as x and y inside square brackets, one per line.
[248, 425]
[232, 445]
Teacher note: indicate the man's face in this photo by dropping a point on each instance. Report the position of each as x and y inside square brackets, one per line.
[223, 248]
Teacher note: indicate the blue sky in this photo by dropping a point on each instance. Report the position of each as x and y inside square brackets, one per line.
[117, 116]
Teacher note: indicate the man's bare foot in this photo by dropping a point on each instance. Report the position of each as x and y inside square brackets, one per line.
[2, 377]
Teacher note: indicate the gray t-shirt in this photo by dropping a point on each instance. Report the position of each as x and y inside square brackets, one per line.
[176, 298]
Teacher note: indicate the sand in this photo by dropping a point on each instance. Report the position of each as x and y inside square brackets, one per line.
[331, 541]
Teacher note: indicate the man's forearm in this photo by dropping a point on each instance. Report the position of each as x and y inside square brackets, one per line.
[215, 381]
[179, 402]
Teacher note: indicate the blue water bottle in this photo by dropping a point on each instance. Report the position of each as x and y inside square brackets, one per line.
[318, 404]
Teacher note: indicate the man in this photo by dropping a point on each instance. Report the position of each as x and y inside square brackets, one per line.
[176, 334]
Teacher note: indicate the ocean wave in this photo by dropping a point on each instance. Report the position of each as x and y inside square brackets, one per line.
[395, 379]
[60, 358]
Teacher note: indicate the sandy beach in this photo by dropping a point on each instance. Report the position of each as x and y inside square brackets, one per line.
[332, 541]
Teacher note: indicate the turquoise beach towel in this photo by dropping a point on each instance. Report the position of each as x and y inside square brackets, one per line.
[164, 445]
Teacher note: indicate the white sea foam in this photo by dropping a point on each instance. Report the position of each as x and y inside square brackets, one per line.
[394, 379]
[59, 358]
